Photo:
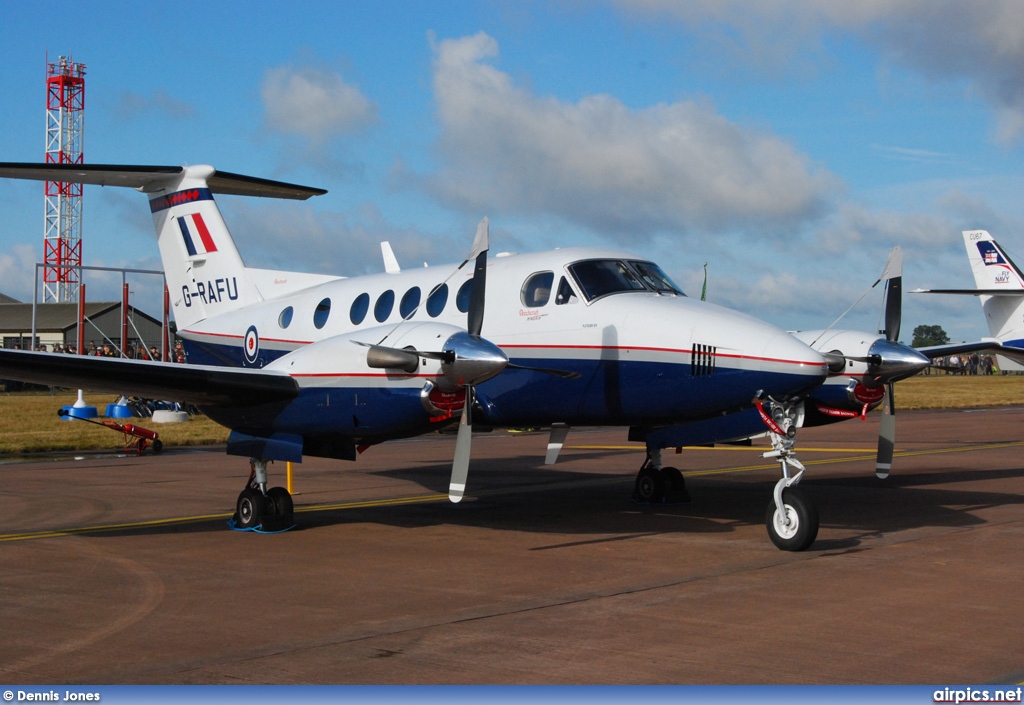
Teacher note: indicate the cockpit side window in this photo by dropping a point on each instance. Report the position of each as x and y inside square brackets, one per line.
[537, 289]
[565, 293]
[600, 277]
[656, 279]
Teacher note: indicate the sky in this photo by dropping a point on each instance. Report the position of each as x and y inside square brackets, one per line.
[788, 144]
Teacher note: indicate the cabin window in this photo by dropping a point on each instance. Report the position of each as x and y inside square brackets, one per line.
[462, 298]
[436, 300]
[385, 304]
[410, 302]
[360, 306]
[285, 319]
[322, 312]
[537, 289]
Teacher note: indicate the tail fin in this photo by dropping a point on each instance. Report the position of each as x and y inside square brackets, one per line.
[1000, 286]
[992, 268]
[205, 274]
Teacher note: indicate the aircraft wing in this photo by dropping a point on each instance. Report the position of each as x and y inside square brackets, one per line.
[990, 345]
[192, 384]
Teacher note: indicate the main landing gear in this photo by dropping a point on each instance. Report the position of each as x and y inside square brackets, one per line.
[791, 517]
[655, 482]
[261, 509]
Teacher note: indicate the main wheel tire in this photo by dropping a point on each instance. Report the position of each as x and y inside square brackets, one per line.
[650, 485]
[803, 521]
[281, 504]
[251, 508]
[158, 446]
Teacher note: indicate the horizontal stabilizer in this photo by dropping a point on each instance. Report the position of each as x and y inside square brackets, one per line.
[971, 292]
[153, 178]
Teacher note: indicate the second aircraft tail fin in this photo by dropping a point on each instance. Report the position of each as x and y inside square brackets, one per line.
[1000, 287]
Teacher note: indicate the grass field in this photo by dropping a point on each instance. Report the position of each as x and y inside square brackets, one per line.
[29, 424]
[29, 421]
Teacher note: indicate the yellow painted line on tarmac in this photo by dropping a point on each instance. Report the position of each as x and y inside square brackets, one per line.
[719, 448]
[174, 521]
[107, 528]
[362, 504]
[865, 455]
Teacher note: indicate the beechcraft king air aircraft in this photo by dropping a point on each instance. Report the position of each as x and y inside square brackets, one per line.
[299, 364]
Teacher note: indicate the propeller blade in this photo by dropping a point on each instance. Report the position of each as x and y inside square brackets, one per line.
[463, 442]
[886, 435]
[893, 265]
[481, 242]
[476, 296]
[893, 274]
[893, 308]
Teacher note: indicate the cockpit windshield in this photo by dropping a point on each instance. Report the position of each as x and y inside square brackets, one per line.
[655, 278]
[601, 277]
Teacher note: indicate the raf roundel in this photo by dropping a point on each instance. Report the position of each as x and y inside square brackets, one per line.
[251, 345]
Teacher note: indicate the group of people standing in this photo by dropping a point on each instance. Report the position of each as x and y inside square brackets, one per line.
[973, 364]
[106, 350]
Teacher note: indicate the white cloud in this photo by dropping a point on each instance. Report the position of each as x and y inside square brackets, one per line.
[17, 271]
[131, 105]
[604, 165]
[945, 40]
[313, 103]
[344, 244]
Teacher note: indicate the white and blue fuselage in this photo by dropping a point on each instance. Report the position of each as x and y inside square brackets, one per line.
[644, 353]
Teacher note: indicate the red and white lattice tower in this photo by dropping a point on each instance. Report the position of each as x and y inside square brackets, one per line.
[62, 236]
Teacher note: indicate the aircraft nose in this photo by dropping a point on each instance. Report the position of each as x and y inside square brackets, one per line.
[889, 361]
[797, 358]
[798, 367]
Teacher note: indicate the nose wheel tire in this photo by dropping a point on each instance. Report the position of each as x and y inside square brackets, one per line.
[798, 527]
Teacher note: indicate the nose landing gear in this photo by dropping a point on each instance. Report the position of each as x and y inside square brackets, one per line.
[791, 518]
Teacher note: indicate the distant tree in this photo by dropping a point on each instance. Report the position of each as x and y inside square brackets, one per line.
[929, 335]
